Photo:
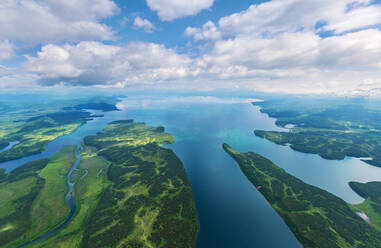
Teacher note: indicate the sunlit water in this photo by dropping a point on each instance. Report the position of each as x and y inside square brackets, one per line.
[232, 213]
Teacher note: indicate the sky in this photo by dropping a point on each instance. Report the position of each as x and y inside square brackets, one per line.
[283, 46]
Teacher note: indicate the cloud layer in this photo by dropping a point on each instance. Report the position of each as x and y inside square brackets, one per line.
[169, 10]
[299, 46]
[93, 63]
[6, 50]
[35, 21]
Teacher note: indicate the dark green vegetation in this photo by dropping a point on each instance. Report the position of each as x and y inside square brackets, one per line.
[316, 217]
[18, 190]
[97, 106]
[3, 144]
[36, 132]
[331, 129]
[372, 205]
[35, 128]
[150, 201]
[371, 190]
[32, 198]
[139, 197]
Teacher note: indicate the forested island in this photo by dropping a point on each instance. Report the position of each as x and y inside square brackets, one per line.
[129, 192]
[332, 129]
[318, 218]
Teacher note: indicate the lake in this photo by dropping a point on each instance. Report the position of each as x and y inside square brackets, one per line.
[232, 213]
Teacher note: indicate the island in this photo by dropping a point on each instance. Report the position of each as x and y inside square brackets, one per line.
[317, 218]
[129, 191]
[332, 129]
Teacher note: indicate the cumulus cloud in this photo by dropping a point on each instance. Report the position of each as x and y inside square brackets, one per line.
[35, 21]
[279, 46]
[207, 32]
[93, 63]
[301, 63]
[6, 50]
[299, 50]
[276, 16]
[144, 24]
[276, 46]
[169, 10]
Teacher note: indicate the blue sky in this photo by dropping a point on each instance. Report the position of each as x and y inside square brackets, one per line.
[289, 46]
[171, 33]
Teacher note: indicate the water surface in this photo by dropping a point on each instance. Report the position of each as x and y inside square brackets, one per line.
[232, 213]
[8, 147]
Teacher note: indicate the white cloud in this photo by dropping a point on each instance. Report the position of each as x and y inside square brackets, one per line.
[35, 21]
[299, 62]
[6, 50]
[144, 24]
[299, 50]
[169, 10]
[275, 46]
[92, 63]
[276, 16]
[12, 79]
[207, 32]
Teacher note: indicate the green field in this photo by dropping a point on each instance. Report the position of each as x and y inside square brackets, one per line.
[88, 189]
[318, 218]
[331, 129]
[32, 198]
[129, 191]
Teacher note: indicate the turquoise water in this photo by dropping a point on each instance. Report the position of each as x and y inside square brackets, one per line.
[231, 211]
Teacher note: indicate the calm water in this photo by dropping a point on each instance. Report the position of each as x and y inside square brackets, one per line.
[231, 211]
[11, 144]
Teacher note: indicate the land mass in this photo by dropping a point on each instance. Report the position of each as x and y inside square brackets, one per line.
[34, 133]
[371, 191]
[129, 192]
[3, 144]
[32, 198]
[332, 131]
[318, 218]
[96, 106]
[150, 201]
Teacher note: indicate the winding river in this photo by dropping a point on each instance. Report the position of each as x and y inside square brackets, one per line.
[232, 213]
[70, 200]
